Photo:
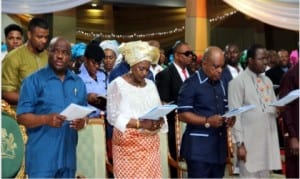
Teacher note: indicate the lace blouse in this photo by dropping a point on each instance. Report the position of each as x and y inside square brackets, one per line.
[125, 101]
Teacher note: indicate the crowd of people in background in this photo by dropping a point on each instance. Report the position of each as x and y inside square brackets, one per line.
[40, 81]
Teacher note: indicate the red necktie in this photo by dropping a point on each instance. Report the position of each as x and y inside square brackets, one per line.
[184, 73]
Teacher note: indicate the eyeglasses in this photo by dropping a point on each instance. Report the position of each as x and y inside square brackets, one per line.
[187, 53]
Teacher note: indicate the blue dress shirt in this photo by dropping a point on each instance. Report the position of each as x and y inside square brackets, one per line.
[50, 148]
[205, 98]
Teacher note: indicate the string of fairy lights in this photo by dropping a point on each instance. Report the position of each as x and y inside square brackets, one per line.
[131, 36]
[223, 16]
[148, 35]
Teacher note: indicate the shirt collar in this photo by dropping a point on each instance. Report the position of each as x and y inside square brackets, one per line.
[51, 74]
[203, 78]
[252, 74]
[83, 70]
[179, 69]
[45, 51]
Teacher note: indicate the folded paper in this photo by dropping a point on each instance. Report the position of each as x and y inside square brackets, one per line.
[238, 111]
[75, 111]
[291, 96]
[159, 111]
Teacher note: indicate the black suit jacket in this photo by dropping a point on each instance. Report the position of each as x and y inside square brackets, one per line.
[275, 74]
[168, 83]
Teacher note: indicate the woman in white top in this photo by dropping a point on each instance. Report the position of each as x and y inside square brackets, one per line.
[135, 142]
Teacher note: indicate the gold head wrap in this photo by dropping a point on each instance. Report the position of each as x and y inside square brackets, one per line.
[137, 51]
[156, 57]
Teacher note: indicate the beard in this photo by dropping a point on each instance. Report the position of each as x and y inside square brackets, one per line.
[39, 50]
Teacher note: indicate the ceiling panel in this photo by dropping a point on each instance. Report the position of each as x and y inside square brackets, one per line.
[167, 3]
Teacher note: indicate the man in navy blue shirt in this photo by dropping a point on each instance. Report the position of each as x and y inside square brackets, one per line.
[52, 141]
[202, 101]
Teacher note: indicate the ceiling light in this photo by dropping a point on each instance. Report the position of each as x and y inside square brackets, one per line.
[94, 4]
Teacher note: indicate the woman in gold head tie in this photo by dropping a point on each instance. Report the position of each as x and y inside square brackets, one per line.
[135, 141]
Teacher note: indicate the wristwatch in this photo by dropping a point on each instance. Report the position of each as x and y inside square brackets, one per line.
[206, 124]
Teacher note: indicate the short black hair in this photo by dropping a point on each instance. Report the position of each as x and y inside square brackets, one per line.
[12, 27]
[94, 51]
[251, 52]
[177, 45]
[37, 22]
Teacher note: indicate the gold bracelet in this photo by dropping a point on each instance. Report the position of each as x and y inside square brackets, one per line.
[137, 124]
[85, 122]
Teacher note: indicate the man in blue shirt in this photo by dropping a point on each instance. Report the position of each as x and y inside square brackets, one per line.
[202, 100]
[52, 141]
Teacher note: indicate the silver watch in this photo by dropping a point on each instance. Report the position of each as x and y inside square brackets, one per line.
[206, 124]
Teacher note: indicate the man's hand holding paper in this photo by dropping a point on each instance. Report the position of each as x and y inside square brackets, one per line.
[291, 96]
[238, 111]
[74, 111]
[230, 121]
[57, 120]
[78, 124]
[54, 120]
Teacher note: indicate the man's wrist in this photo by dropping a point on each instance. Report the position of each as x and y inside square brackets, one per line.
[44, 119]
[206, 124]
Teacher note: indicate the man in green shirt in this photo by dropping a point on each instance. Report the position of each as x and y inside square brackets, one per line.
[25, 60]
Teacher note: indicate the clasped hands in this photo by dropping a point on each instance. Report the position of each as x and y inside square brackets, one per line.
[152, 125]
[217, 121]
[56, 120]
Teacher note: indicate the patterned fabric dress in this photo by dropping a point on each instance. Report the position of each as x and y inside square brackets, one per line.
[136, 153]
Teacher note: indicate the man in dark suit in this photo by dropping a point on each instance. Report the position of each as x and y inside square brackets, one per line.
[289, 82]
[202, 100]
[275, 74]
[168, 83]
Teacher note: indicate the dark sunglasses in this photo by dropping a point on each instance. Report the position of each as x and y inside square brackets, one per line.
[187, 53]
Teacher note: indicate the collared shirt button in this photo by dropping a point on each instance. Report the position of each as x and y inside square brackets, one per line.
[220, 133]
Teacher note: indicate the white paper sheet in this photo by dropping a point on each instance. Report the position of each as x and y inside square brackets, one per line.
[75, 111]
[237, 111]
[159, 111]
[275, 86]
[291, 96]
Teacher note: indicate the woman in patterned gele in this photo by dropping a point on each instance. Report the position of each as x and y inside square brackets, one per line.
[135, 142]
